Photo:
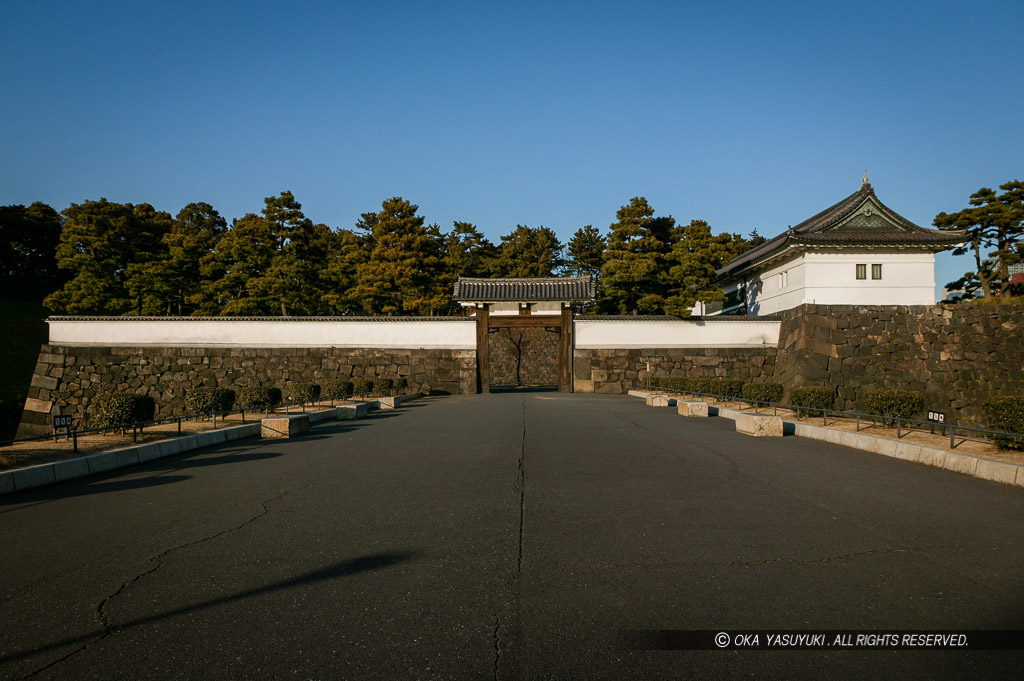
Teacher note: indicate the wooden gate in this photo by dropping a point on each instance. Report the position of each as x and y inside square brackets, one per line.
[486, 324]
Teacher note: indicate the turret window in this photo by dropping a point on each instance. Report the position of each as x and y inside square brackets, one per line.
[876, 271]
[862, 271]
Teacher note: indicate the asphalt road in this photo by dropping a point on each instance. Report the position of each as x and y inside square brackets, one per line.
[506, 536]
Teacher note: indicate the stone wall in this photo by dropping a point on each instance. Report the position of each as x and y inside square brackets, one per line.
[957, 355]
[539, 360]
[67, 377]
[616, 370]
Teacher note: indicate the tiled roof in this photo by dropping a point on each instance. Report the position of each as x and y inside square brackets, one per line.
[838, 225]
[563, 289]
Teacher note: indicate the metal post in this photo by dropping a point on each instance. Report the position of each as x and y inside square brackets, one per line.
[899, 429]
[179, 425]
[858, 423]
[135, 432]
[951, 444]
[215, 420]
[74, 439]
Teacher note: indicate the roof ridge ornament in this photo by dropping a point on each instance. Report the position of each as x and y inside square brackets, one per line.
[864, 181]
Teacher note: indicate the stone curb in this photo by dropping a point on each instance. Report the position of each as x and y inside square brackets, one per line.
[69, 469]
[986, 469]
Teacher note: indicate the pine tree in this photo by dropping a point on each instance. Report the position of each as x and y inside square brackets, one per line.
[695, 259]
[995, 230]
[29, 237]
[405, 261]
[633, 273]
[347, 252]
[529, 252]
[99, 243]
[586, 252]
[243, 255]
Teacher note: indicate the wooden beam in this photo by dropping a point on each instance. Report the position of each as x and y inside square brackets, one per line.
[483, 375]
[533, 320]
[565, 352]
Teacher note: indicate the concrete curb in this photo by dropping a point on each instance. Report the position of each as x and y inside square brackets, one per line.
[69, 469]
[986, 469]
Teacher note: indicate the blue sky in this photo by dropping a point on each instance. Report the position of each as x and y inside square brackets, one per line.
[747, 115]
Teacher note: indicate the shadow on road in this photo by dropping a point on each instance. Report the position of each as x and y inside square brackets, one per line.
[375, 561]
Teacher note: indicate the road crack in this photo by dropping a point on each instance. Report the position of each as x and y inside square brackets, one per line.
[158, 560]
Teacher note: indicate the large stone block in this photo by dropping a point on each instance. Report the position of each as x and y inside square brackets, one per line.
[692, 408]
[659, 400]
[284, 426]
[759, 425]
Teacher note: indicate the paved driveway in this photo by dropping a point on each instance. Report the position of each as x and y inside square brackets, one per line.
[504, 536]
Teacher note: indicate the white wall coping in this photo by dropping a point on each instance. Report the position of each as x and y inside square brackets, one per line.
[452, 333]
[593, 334]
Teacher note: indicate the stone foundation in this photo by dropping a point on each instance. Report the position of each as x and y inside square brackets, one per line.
[958, 356]
[66, 378]
[617, 371]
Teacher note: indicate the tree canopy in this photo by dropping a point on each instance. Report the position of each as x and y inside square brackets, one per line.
[101, 257]
[995, 230]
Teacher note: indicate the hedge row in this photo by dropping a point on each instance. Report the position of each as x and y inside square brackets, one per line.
[204, 400]
[110, 410]
[894, 404]
[259, 397]
[1006, 414]
[726, 387]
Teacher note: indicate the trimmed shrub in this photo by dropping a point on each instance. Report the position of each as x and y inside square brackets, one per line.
[401, 384]
[336, 389]
[259, 397]
[382, 385]
[362, 386]
[731, 388]
[1006, 414]
[763, 392]
[111, 410]
[894, 404]
[204, 400]
[305, 392]
[812, 397]
[659, 382]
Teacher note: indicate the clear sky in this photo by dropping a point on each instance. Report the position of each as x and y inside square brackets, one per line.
[747, 115]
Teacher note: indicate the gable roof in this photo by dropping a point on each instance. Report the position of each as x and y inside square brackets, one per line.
[562, 289]
[858, 220]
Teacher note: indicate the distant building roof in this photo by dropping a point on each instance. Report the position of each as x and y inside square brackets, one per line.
[562, 289]
[858, 220]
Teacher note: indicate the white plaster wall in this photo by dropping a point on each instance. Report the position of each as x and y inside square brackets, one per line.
[767, 295]
[599, 333]
[908, 278]
[456, 334]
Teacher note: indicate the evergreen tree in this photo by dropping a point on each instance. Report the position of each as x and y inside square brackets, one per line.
[28, 245]
[405, 259]
[633, 273]
[695, 258]
[995, 230]
[586, 252]
[241, 256]
[529, 252]
[99, 242]
[347, 252]
[191, 244]
[468, 253]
